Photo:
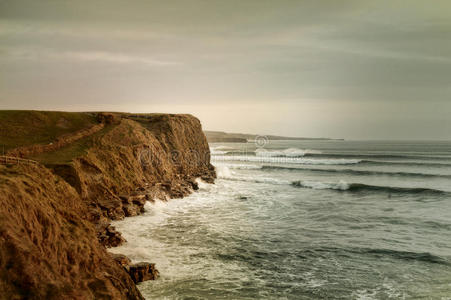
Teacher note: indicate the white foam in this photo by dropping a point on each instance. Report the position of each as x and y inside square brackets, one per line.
[318, 185]
[220, 150]
[290, 152]
[202, 185]
[267, 180]
[223, 171]
[240, 166]
[217, 152]
[285, 160]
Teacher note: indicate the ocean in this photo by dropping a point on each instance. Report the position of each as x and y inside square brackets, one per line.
[311, 219]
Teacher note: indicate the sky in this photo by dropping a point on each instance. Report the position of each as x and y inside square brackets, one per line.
[353, 69]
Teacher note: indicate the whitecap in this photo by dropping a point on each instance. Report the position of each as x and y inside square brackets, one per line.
[285, 160]
[318, 185]
[290, 152]
[223, 171]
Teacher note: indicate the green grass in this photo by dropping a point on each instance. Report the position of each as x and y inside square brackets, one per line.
[23, 128]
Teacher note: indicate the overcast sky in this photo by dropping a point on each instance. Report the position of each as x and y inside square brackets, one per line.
[352, 69]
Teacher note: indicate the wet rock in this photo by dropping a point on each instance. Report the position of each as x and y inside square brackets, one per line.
[194, 185]
[133, 205]
[143, 271]
[208, 178]
[131, 210]
[138, 272]
[139, 200]
[109, 236]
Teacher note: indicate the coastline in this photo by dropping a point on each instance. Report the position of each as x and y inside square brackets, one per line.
[129, 161]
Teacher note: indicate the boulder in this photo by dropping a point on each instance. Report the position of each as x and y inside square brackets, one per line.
[109, 236]
[143, 271]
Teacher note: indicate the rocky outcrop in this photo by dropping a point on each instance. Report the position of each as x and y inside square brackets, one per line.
[54, 220]
[108, 235]
[143, 271]
[139, 272]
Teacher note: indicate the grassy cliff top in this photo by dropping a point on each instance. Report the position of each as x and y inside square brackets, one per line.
[23, 128]
[50, 130]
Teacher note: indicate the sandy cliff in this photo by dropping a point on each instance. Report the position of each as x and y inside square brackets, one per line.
[54, 217]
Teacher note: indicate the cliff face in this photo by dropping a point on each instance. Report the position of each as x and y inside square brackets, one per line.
[54, 220]
[159, 157]
[47, 249]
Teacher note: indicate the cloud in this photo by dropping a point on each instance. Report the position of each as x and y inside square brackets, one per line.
[117, 58]
[45, 29]
[40, 54]
[198, 52]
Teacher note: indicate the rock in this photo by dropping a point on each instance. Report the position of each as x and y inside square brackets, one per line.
[194, 185]
[122, 260]
[133, 205]
[108, 118]
[109, 236]
[143, 271]
[131, 210]
[208, 178]
[138, 272]
[139, 200]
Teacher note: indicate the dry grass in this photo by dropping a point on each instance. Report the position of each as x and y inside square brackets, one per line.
[22, 128]
[76, 149]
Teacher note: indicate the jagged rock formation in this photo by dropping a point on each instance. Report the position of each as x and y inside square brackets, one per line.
[54, 220]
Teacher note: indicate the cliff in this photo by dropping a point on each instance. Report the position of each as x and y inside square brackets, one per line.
[54, 217]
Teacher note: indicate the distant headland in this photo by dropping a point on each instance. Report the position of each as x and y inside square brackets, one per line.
[226, 137]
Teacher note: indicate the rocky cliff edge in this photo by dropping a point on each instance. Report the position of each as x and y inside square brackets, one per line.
[55, 213]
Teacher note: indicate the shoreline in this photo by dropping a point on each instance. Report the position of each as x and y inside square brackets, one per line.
[78, 187]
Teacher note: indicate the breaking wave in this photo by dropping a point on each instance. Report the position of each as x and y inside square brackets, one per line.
[240, 166]
[404, 163]
[380, 156]
[290, 152]
[223, 172]
[360, 187]
[285, 160]
[220, 150]
[356, 172]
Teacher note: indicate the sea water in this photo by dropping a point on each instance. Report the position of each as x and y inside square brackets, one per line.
[305, 220]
